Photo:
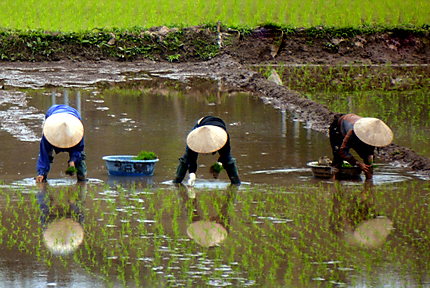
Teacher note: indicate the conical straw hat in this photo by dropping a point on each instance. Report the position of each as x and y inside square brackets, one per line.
[373, 131]
[207, 139]
[63, 130]
[63, 236]
[371, 233]
[207, 233]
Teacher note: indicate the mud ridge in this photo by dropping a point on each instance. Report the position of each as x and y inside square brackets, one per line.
[316, 116]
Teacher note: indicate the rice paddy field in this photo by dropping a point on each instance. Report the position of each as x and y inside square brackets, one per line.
[79, 15]
[384, 91]
[281, 228]
[309, 235]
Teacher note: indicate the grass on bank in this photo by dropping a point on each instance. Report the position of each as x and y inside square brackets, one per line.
[174, 45]
[83, 15]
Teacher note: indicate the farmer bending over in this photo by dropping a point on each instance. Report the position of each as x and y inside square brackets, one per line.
[62, 132]
[209, 135]
[362, 134]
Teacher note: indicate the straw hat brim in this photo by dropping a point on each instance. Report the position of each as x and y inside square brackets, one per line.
[371, 233]
[63, 130]
[63, 236]
[373, 131]
[207, 139]
[207, 233]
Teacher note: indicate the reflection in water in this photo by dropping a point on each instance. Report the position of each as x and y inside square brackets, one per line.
[62, 217]
[207, 231]
[130, 181]
[66, 99]
[282, 245]
[356, 219]
[125, 121]
[283, 123]
[156, 116]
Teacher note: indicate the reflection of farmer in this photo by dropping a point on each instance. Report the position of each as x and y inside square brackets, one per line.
[62, 218]
[209, 135]
[214, 230]
[361, 134]
[357, 221]
[62, 132]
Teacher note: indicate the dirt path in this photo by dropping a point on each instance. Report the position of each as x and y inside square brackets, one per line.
[233, 74]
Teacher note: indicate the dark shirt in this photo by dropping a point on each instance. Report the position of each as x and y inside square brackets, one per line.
[46, 149]
[224, 152]
[210, 120]
[350, 140]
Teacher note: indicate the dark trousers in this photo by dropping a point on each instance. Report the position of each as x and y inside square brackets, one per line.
[189, 162]
[81, 167]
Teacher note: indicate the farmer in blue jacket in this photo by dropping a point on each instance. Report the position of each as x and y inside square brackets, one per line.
[62, 132]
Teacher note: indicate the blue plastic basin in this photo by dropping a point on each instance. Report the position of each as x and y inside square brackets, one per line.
[124, 165]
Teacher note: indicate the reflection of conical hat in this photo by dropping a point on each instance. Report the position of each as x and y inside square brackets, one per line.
[207, 139]
[207, 233]
[373, 131]
[63, 130]
[63, 236]
[372, 233]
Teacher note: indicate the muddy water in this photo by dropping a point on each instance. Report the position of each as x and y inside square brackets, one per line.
[157, 117]
[283, 227]
[270, 145]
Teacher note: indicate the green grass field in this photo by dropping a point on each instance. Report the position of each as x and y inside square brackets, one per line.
[81, 15]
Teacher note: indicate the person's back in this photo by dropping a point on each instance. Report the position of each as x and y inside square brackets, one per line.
[350, 131]
[62, 132]
[209, 135]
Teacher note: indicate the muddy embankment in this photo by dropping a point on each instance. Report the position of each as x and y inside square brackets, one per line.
[231, 66]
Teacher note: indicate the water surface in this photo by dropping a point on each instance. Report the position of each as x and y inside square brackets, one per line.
[281, 228]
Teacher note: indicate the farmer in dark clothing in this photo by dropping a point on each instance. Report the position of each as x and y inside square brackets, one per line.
[62, 132]
[362, 134]
[209, 135]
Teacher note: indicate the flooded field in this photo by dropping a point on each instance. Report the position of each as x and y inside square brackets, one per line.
[281, 228]
[396, 93]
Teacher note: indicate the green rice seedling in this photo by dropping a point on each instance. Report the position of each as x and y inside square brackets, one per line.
[71, 170]
[265, 251]
[129, 14]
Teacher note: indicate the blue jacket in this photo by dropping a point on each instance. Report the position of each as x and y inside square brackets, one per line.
[45, 154]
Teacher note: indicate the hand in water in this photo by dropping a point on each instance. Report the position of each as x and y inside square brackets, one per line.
[192, 179]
